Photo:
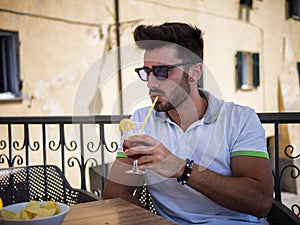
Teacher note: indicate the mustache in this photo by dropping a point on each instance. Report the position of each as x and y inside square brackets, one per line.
[157, 91]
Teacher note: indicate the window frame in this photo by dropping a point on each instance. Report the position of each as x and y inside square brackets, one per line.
[247, 70]
[10, 82]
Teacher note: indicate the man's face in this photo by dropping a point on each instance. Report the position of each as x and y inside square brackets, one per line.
[172, 91]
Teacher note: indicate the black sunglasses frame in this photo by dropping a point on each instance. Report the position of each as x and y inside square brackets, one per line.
[154, 70]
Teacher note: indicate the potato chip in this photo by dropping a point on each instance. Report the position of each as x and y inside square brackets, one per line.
[50, 205]
[7, 214]
[42, 212]
[34, 204]
[34, 209]
[26, 215]
[22, 216]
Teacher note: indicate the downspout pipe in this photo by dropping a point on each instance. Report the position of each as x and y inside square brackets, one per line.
[119, 64]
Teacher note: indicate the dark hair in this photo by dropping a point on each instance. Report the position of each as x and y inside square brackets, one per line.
[149, 37]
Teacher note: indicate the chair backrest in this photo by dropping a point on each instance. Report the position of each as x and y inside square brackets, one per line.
[281, 215]
[41, 182]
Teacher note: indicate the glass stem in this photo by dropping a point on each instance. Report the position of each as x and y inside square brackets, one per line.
[135, 167]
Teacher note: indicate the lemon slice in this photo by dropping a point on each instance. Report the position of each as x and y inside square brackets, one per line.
[126, 124]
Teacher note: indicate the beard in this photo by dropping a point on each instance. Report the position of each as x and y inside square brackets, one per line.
[180, 93]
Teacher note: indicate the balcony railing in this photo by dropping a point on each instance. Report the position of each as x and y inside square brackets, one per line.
[47, 140]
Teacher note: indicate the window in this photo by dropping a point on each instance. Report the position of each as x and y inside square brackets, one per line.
[246, 3]
[10, 84]
[244, 9]
[293, 9]
[247, 69]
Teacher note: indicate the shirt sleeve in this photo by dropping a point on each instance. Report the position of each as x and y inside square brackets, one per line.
[250, 139]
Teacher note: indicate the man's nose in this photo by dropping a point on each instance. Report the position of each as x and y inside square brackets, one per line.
[152, 81]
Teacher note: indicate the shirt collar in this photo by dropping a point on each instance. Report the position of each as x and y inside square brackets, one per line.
[212, 112]
[213, 108]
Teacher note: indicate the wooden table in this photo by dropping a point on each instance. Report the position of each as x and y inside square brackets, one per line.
[111, 211]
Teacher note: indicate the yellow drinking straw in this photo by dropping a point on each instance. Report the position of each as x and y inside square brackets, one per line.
[147, 117]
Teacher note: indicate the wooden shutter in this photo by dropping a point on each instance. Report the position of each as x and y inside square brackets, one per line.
[255, 58]
[239, 68]
[298, 67]
[200, 81]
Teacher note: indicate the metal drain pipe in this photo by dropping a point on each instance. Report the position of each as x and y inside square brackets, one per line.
[119, 64]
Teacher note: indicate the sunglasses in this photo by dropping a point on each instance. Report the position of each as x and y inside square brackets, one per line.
[160, 72]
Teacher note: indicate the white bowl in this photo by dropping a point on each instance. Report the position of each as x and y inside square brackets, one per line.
[51, 220]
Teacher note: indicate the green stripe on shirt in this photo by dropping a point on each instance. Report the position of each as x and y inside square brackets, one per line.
[250, 153]
[121, 155]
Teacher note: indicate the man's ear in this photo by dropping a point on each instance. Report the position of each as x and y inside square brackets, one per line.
[196, 72]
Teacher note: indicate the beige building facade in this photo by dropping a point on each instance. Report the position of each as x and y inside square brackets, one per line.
[63, 42]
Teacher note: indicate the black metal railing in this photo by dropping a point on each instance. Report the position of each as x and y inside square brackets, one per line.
[73, 152]
[83, 153]
[280, 170]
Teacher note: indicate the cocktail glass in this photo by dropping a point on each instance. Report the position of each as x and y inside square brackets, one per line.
[139, 129]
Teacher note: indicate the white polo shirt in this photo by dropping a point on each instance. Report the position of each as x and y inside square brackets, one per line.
[226, 130]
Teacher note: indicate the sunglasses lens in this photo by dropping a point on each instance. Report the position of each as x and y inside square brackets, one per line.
[160, 72]
[143, 73]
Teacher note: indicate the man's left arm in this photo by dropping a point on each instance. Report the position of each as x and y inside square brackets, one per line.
[249, 190]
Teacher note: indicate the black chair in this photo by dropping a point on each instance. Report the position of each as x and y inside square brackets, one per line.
[22, 184]
[145, 199]
[282, 215]
[278, 215]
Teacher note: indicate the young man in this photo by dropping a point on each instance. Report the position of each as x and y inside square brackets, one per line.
[205, 160]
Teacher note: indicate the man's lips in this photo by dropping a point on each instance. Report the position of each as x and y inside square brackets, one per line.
[153, 97]
[156, 92]
[159, 100]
